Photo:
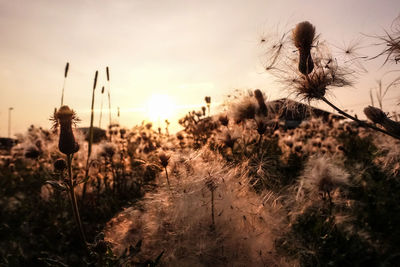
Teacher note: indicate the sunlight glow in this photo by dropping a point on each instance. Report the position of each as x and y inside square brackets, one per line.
[160, 107]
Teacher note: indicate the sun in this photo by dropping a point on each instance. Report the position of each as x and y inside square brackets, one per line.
[160, 107]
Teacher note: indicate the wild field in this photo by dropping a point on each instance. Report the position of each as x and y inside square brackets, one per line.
[243, 187]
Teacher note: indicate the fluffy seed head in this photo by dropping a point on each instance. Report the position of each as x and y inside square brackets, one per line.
[303, 35]
[322, 175]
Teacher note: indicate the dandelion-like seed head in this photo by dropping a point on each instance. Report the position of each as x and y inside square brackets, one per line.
[303, 35]
[245, 109]
[322, 175]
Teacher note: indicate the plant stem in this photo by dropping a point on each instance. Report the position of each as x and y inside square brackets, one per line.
[74, 203]
[212, 208]
[166, 174]
[357, 120]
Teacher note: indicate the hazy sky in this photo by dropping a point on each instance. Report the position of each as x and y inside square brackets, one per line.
[185, 49]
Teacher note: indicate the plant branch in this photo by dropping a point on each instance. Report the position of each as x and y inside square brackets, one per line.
[365, 124]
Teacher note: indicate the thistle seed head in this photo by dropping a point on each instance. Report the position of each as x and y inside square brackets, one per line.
[303, 35]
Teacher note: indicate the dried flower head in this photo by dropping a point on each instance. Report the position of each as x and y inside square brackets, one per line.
[108, 150]
[32, 152]
[164, 159]
[244, 109]
[303, 38]
[326, 74]
[224, 120]
[322, 175]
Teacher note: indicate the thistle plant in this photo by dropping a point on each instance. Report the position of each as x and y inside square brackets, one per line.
[303, 38]
[164, 161]
[318, 72]
[65, 118]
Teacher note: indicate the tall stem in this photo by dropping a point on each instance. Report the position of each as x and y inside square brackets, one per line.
[357, 120]
[166, 174]
[74, 203]
[212, 208]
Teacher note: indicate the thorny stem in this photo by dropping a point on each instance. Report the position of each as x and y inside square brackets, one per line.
[74, 203]
[357, 120]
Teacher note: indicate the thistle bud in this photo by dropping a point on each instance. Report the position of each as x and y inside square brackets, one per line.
[378, 116]
[64, 117]
[375, 114]
[164, 160]
[224, 120]
[303, 37]
[261, 102]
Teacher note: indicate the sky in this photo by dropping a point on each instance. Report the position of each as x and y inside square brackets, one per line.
[185, 50]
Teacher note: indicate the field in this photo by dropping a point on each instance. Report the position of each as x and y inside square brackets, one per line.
[244, 187]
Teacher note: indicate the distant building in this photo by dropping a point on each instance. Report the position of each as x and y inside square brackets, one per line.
[291, 113]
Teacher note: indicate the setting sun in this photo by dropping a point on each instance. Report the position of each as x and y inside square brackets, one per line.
[160, 107]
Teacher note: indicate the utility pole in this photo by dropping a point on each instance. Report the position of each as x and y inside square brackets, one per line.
[9, 121]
